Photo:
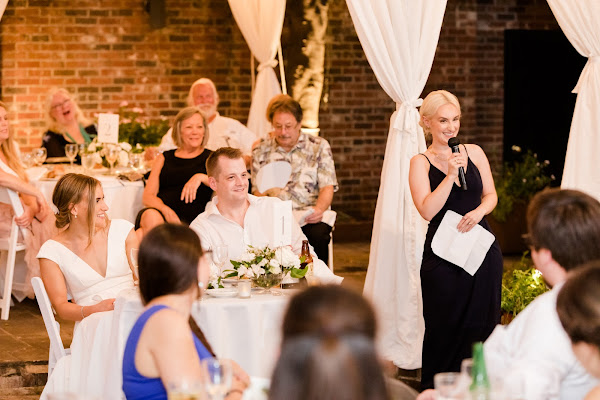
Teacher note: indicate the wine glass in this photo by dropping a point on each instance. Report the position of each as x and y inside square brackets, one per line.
[136, 161]
[40, 155]
[185, 389]
[219, 256]
[112, 153]
[218, 375]
[27, 159]
[87, 160]
[71, 151]
[134, 262]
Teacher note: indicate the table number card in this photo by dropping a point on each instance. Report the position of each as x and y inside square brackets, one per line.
[282, 223]
[108, 128]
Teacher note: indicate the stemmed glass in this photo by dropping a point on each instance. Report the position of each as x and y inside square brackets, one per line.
[87, 161]
[71, 151]
[218, 374]
[40, 155]
[27, 159]
[219, 256]
[112, 153]
[134, 262]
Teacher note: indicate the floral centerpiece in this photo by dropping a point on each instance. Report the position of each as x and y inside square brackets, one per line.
[519, 181]
[264, 266]
[138, 130]
[99, 151]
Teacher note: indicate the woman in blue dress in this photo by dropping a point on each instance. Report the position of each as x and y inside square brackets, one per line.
[161, 348]
[458, 308]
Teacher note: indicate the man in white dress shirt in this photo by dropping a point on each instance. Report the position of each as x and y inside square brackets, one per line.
[238, 219]
[222, 131]
[533, 354]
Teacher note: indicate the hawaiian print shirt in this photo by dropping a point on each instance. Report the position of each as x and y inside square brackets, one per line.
[312, 167]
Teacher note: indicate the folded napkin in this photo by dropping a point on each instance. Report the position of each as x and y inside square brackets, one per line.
[273, 175]
[466, 250]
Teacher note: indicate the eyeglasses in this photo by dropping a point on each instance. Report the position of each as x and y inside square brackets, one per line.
[54, 107]
[284, 128]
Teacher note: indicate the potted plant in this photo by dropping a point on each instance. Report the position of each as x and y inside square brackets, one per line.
[520, 286]
[519, 182]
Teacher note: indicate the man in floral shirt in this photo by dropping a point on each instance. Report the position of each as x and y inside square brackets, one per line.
[312, 181]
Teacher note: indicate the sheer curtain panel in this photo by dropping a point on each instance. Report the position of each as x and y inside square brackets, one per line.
[399, 38]
[260, 22]
[579, 21]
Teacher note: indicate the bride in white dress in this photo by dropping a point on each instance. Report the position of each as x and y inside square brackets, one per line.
[88, 260]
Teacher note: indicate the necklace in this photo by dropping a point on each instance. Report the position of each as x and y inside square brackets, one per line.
[437, 156]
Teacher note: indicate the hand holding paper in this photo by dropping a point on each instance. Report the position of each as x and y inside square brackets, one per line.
[273, 175]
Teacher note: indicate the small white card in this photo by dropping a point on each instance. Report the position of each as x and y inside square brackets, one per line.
[282, 223]
[108, 128]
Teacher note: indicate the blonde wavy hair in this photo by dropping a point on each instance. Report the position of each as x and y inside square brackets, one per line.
[181, 116]
[11, 152]
[432, 102]
[51, 123]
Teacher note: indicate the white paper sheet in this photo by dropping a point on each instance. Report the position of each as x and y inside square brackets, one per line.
[466, 250]
[273, 175]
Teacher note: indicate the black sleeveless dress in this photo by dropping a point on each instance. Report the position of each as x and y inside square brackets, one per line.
[458, 308]
[174, 175]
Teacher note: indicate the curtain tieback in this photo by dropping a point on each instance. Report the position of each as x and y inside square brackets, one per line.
[271, 63]
[407, 111]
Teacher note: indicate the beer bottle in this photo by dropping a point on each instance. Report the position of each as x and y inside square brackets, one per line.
[480, 386]
[306, 254]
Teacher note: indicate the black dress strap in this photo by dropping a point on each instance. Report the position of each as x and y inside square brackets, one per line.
[423, 154]
[466, 150]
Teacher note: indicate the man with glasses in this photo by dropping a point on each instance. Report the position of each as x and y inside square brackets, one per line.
[312, 181]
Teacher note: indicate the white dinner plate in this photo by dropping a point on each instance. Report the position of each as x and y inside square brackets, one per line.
[222, 292]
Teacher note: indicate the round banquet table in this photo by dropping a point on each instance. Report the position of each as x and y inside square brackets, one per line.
[247, 331]
[123, 198]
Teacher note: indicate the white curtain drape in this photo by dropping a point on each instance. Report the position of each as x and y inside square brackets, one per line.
[579, 20]
[261, 22]
[399, 38]
[3, 4]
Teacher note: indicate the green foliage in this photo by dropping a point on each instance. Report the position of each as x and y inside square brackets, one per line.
[521, 285]
[519, 181]
[136, 129]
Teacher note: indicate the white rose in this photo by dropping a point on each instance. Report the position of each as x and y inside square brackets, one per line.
[247, 257]
[257, 270]
[123, 158]
[242, 270]
[262, 263]
[92, 147]
[287, 258]
[274, 263]
[125, 146]
[276, 270]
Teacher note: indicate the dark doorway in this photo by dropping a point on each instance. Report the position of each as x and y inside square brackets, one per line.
[541, 68]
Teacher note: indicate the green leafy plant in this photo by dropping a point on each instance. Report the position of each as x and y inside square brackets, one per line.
[134, 128]
[521, 285]
[519, 181]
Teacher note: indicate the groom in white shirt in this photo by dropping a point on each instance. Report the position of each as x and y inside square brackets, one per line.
[239, 219]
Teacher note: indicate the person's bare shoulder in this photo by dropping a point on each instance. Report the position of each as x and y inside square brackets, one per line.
[594, 394]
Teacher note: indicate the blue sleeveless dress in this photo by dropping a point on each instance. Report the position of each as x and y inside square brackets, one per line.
[135, 385]
[458, 308]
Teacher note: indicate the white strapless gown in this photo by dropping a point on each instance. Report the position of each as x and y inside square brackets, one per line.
[90, 353]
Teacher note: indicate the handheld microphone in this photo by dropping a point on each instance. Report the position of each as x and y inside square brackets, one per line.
[453, 144]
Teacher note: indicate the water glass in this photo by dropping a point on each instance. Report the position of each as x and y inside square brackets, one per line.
[218, 375]
[112, 154]
[219, 255]
[40, 155]
[184, 389]
[87, 161]
[449, 386]
[136, 161]
[71, 151]
[28, 160]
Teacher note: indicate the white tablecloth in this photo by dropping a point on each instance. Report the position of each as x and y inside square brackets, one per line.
[123, 198]
[247, 331]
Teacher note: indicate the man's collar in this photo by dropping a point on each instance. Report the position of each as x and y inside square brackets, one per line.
[212, 209]
[300, 144]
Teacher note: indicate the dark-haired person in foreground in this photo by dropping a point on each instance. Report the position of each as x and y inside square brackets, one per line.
[578, 307]
[328, 349]
[161, 347]
[533, 354]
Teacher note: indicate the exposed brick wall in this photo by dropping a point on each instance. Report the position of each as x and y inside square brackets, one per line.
[105, 52]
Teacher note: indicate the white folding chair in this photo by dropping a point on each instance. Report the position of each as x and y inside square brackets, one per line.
[57, 349]
[11, 246]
